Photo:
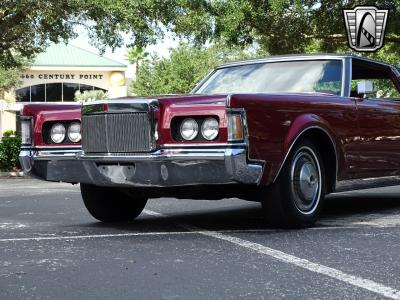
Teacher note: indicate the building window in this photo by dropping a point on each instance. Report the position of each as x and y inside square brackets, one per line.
[24, 94]
[38, 93]
[70, 90]
[52, 92]
[84, 87]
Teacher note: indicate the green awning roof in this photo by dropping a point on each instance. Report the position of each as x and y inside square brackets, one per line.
[64, 55]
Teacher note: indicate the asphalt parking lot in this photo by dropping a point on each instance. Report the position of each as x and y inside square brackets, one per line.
[51, 248]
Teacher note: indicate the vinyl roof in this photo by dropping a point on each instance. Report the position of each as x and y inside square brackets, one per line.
[65, 55]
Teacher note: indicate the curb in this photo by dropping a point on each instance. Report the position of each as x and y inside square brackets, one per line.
[12, 174]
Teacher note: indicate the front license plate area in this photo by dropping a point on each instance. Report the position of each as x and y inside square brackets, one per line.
[117, 173]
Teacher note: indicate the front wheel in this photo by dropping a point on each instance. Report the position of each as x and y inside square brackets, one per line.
[295, 199]
[111, 204]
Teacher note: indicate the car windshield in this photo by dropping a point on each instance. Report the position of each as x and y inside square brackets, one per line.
[324, 76]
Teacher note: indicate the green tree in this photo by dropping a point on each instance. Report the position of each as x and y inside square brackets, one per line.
[186, 66]
[27, 26]
[278, 26]
[292, 26]
[9, 78]
[135, 55]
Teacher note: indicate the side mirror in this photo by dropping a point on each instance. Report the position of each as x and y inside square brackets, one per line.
[365, 87]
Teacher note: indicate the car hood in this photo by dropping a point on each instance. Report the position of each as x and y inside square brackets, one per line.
[183, 100]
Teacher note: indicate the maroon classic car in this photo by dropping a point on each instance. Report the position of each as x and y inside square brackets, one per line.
[284, 131]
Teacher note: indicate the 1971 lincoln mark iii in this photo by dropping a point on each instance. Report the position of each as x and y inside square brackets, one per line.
[284, 131]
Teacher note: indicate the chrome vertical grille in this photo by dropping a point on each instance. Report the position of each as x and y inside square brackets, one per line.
[117, 133]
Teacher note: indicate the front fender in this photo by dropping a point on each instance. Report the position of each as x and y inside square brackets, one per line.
[301, 124]
[299, 128]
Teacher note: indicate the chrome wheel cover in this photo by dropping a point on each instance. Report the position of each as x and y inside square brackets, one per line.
[306, 180]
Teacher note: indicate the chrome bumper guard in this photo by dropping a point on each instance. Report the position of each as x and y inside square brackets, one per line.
[162, 168]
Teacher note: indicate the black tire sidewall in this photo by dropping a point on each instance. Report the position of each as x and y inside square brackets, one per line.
[111, 204]
[280, 205]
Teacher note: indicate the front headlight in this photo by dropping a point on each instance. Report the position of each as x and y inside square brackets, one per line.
[210, 129]
[189, 129]
[74, 132]
[57, 133]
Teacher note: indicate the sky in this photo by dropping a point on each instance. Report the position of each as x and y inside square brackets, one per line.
[161, 49]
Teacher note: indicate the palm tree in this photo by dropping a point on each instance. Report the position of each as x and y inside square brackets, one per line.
[135, 55]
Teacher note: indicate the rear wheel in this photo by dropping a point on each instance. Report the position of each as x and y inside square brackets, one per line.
[295, 199]
[111, 204]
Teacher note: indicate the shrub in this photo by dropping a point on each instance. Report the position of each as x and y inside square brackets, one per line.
[88, 96]
[9, 151]
[9, 133]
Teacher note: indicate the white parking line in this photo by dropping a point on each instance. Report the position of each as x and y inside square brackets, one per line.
[360, 282]
[191, 232]
[94, 236]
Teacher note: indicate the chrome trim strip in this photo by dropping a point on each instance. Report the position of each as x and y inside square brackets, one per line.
[202, 145]
[53, 147]
[160, 155]
[294, 142]
[344, 90]
[296, 57]
[201, 82]
[349, 65]
[55, 154]
[366, 183]
[123, 101]
[120, 106]
[228, 100]
[165, 154]
[282, 59]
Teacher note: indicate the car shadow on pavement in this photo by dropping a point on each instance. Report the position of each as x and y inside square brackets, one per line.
[347, 204]
[339, 210]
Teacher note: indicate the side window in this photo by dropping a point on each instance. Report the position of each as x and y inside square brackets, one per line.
[330, 87]
[383, 89]
[384, 81]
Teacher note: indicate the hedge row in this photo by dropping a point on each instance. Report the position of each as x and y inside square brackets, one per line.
[10, 146]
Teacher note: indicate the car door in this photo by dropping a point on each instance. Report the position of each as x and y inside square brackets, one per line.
[378, 118]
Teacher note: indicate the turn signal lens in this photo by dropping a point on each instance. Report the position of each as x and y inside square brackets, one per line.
[156, 135]
[26, 131]
[57, 133]
[235, 128]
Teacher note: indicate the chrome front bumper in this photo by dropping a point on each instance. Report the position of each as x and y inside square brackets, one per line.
[163, 168]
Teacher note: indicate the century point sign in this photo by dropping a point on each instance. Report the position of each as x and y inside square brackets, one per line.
[52, 76]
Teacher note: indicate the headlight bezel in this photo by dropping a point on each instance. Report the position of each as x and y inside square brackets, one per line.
[47, 129]
[177, 121]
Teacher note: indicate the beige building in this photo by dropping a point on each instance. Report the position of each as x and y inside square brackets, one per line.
[57, 74]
